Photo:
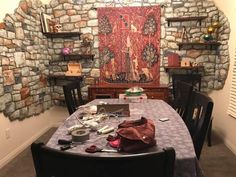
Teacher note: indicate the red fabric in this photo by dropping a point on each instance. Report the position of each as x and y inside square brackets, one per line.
[136, 135]
[114, 143]
[122, 42]
[142, 129]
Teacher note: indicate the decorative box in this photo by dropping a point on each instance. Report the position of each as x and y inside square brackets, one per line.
[173, 59]
[133, 99]
[74, 69]
[185, 63]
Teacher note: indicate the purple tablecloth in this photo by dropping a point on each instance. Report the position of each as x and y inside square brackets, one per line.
[172, 133]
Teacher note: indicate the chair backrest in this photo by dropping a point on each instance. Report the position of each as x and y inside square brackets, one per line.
[193, 79]
[73, 97]
[198, 119]
[51, 162]
[183, 92]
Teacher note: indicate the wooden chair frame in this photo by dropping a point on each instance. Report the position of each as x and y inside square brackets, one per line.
[73, 96]
[199, 119]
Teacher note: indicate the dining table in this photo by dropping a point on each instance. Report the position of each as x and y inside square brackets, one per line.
[170, 131]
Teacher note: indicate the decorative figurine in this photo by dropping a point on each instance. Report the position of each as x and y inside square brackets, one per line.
[86, 45]
[66, 51]
[86, 41]
[184, 36]
[57, 27]
[74, 69]
[195, 64]
[207, 37]
[212, 29]
[185, 63]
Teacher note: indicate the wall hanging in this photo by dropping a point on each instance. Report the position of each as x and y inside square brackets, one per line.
[129, 44]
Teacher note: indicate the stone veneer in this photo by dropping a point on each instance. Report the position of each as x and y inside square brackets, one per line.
[25, 52]
[24, 59]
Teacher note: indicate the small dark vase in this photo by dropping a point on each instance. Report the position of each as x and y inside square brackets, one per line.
[207, 37]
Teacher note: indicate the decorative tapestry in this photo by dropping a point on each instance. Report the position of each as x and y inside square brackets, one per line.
[129, 44]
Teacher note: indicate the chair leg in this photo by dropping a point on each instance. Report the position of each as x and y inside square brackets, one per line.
[209, 133]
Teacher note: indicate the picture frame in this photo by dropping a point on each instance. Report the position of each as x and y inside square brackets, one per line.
[45, 21]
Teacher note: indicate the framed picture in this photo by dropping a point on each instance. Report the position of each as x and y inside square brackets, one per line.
[45, 21]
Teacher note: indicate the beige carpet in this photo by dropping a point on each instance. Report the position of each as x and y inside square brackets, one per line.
[218, 160]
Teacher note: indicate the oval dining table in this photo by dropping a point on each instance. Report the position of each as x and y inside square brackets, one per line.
[170, 133]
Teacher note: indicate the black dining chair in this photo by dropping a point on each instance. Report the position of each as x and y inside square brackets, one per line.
[73, 96]
[198, 119]
[194, 80]
[50, 162]
[183, 92]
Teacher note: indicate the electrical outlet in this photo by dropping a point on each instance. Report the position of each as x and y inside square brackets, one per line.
[7, 133]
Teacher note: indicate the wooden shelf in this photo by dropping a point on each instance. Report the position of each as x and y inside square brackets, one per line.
[62, 34]
[181, 19]
[193, 68]
[55, 76]
[78, 56]
[205, 45]
[59, 79]
[73, 57]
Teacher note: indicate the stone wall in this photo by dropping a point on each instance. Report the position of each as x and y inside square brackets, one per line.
[25, 52]
[82, 15]
[24, 62]
[216, 61]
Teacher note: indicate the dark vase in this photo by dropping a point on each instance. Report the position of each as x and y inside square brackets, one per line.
[208, 37]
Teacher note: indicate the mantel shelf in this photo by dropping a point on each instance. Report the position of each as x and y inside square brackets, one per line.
[196, 68]
[181, 19]
[62, 76]
[62, 34]
[73, 57]
[211, 44]
[60, 79]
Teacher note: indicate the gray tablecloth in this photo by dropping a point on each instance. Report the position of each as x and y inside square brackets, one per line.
[172, 133]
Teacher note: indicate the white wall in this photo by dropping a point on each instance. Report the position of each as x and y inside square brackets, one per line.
[8, 6]
[22, 133]
[223, 124]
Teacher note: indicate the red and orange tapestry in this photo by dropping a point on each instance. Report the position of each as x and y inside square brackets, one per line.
[129, 44]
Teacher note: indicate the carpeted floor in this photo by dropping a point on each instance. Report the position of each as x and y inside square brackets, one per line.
[216, 161]
[22, 165]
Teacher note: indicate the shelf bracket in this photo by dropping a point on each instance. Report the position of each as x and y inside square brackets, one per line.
[168, 23]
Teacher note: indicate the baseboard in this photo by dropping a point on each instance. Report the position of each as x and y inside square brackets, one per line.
[227, 143]
[22, 147]
[57, 124]
[230, 146]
